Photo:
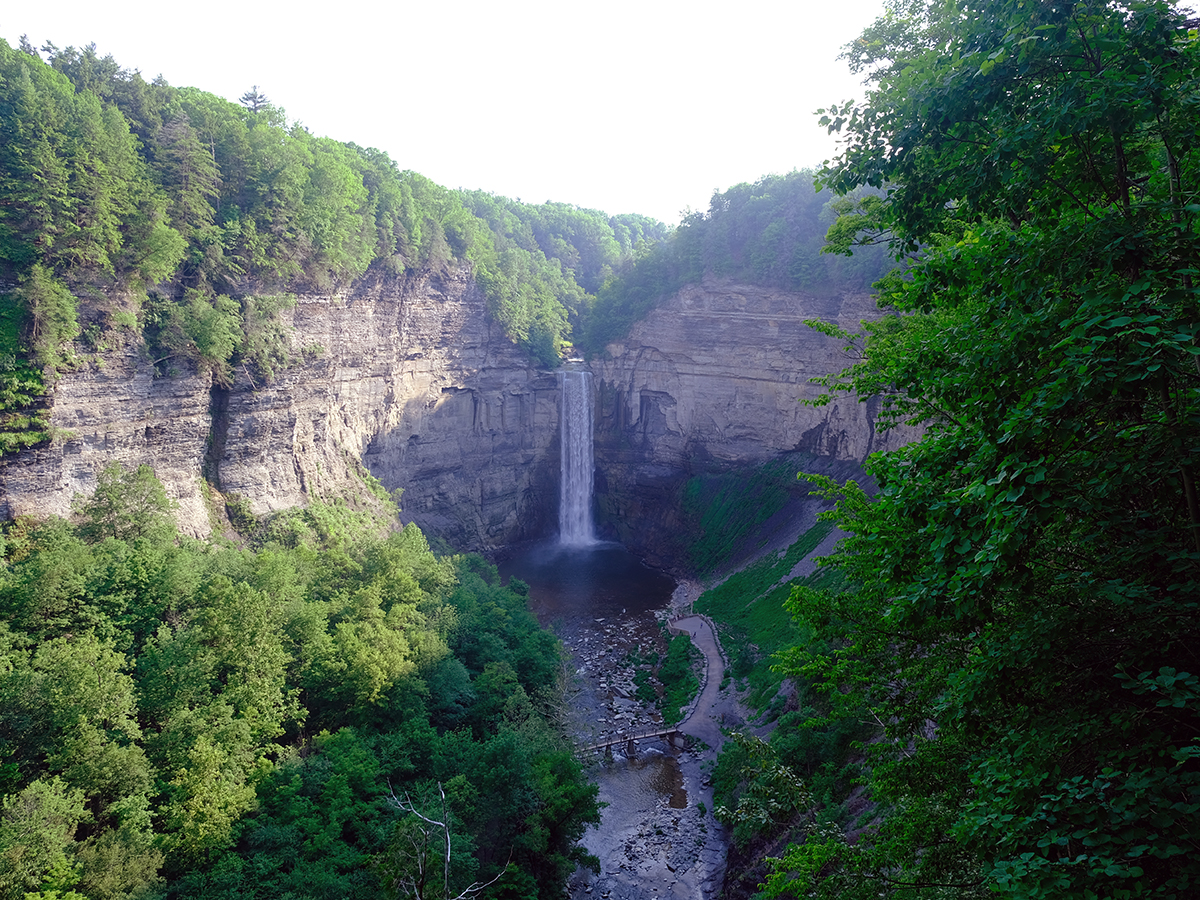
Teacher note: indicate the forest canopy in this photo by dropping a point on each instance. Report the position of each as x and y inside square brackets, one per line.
[770, 233]
[176, 217]
[190, 719]
[175, 205]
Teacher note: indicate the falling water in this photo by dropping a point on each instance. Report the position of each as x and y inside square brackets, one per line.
[575, 502]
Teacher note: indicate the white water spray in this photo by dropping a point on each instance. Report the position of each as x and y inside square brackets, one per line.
[575, 492]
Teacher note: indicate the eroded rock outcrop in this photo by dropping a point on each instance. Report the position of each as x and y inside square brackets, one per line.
[415, 382]
[407, 378]
[114, 407]
[711, 380]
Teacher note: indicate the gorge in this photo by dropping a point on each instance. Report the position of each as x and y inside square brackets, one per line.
[282, 344]
[414, 388]
[275, 411]
[410, 381]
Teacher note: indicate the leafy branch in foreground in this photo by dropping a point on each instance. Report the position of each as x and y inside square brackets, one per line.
[1022, 617]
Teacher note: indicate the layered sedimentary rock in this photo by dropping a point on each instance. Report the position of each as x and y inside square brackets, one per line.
[112, 407]
[713, 379]
[410, 380]
[407, 378]
[415, 382]
[716, 373]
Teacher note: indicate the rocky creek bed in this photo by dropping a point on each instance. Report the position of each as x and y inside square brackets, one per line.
[657, 837]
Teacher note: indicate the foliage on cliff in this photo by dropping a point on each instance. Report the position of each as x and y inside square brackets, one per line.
[182, 209]
[768, 233]
[173, 212]
[1022, 617]
[180, 719]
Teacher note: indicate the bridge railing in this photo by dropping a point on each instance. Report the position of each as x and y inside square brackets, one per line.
[626, 738]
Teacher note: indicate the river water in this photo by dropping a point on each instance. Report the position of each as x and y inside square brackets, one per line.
[657, 838]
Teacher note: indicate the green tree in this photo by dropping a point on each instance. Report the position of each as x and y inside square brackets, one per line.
[52, 322]
[190, 175]
[254, 99]
[127, 505]
[37, 830]
[1022, 618]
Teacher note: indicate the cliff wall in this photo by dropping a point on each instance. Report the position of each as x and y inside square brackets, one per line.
[711, 380]
[113, 407]
[418, 385]
[407, 378]
[410, 380]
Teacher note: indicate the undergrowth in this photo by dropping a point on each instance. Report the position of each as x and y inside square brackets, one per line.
[748, 608]
[818, 755]
[668, 681]
[24, 420]
[678, 676]
[721, 511]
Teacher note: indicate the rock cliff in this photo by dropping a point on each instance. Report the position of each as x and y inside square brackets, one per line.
[407, 378]
[410, 380]
[711, 380]
[113, 407]
[418, 385]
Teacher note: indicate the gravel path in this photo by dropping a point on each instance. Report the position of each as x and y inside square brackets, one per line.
[701, 722]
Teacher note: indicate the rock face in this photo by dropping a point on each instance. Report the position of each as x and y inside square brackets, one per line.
[410, 380]
[113, 407]
[407, 378]
[711, 380]
[417, 384]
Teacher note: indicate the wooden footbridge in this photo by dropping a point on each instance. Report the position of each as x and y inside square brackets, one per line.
[671, 735]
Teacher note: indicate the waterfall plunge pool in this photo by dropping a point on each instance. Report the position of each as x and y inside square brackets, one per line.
[604, 604]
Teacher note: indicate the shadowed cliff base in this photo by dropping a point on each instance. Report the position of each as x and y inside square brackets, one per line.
[708, 523]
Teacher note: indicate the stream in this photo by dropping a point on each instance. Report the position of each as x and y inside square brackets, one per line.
[657, 837]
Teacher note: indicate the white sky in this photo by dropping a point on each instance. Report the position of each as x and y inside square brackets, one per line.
[641, 106]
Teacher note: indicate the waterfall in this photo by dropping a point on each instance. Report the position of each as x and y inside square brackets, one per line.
[575, 491]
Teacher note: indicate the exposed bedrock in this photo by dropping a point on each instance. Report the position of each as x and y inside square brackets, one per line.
[409, 379]
[416, 383]
[713, 380]
[113, 407]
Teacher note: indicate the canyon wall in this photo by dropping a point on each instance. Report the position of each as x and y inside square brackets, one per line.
[408, 379]
[712, 380]
[112, 407]
[418, 385]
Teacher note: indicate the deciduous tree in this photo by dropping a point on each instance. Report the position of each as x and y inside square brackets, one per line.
[1023, 617]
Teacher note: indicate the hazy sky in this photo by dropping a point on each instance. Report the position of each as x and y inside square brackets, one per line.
[626, 106]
